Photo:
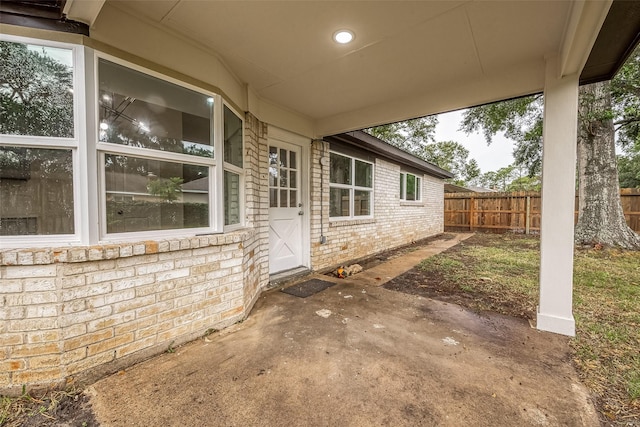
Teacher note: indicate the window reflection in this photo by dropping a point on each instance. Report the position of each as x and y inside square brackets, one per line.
[36, 191]
[145, 194]
[36, 90]
[143, 111]
[232, 138]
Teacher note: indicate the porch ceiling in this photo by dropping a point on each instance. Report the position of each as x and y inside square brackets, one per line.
[408, 58]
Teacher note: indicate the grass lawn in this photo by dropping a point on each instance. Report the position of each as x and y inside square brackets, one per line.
[500, 273]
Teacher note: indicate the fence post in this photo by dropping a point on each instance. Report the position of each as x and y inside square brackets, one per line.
[471, 213]
[527, 219]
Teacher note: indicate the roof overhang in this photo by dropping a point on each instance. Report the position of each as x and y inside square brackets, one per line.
[41, 14]
[619, 35]
[409, 59]
[375, 145]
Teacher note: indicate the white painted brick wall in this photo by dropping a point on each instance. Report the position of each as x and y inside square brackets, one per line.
[395, 223]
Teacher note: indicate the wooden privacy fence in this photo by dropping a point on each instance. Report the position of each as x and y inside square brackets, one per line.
[518, 212]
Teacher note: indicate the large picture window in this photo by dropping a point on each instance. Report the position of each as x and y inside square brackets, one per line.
[350, 187]
[410, 187]
[37, 141]
[149, 157]
[159, 156]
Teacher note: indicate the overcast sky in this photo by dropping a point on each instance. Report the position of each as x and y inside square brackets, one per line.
[489, 158]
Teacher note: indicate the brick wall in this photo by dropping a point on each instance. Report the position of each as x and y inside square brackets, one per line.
[85, 311]
[395, 223]
[81, 312]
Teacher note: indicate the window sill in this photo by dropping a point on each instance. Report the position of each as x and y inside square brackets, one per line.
[350, 222]
[418, 203]
[72, 254]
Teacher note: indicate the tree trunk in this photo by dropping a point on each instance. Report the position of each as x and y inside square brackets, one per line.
[600, 216]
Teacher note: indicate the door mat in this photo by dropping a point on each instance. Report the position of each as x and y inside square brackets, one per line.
[307, 288]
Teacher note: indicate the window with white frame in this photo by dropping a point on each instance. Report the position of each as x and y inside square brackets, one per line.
[156, 141]
[169, 155]
[410, 187]
[233, 172]
[38, 140]
[350, 187]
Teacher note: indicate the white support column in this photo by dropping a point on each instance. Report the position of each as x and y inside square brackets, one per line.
[558, 200]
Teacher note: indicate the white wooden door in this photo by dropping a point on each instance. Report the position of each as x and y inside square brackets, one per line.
[285, 208]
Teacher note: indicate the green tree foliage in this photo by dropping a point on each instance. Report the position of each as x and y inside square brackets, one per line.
[625, 93]
[625, 89]
[410, 136]
[601, 105]
[498, 180]
[629, 170]
[417, 137]
[521, 121]
[169, 189]
[510, 178]
[36, 93]
[525, 183]
[452, 156]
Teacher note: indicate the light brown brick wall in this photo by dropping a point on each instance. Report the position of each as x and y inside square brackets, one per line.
[85, 311]
[394, 224]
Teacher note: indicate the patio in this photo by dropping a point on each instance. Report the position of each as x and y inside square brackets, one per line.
[380, 358]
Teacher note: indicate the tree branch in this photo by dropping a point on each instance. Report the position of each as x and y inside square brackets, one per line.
[624, 122]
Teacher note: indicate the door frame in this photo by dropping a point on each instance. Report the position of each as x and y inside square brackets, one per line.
[277, 135]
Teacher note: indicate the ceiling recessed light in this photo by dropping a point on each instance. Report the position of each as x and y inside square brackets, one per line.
[343, 36]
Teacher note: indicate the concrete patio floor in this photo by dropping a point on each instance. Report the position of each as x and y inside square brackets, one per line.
[379, 358]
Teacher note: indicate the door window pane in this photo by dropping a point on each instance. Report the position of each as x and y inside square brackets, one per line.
[364, 174]
[142, 111]
[283, 199]
[340, 171]
[144, 195]
[36, 90]
[232, 138]
[283, 158]
[231, 198]
[273, 198]
[273, 156]
[36, 191]
[339, 202]
[293, 161]
[273, 176]
[293, 179]
[293, 198]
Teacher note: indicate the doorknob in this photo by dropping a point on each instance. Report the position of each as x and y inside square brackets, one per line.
[300, 213]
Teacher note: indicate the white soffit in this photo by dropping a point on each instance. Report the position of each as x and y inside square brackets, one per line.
[403, 52]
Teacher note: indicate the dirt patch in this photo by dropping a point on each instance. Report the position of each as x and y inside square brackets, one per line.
[52, 409]
[436, 284]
